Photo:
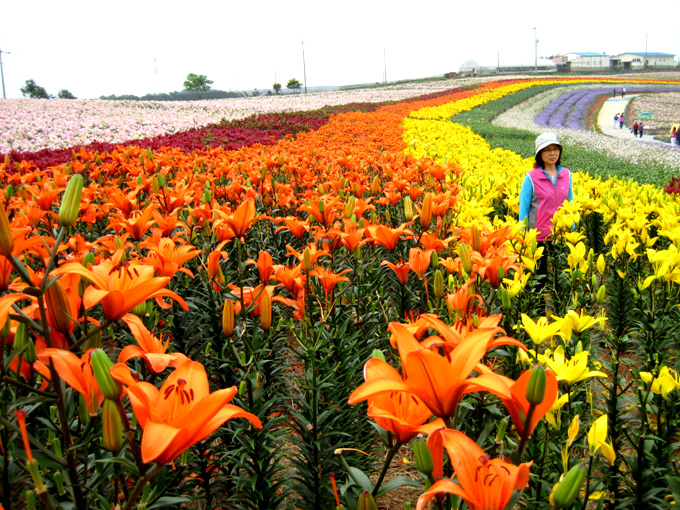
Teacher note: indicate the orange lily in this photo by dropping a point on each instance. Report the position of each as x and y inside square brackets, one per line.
[252, 297]
[181, 413]
[153, 350]
[119, 288]
[241, 220]
[402, 414]
[436, 380]
[419, 261]
[484, 483]
[77, 373]
[137, 223]
[328, 278]
[386, 236]
[265, 266]
[295, 226]
[401, 269]
[167, 257]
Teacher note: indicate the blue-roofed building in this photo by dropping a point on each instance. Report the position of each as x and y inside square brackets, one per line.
[586, 61]
[643, 60]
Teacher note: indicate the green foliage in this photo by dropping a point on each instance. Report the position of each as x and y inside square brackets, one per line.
[294, 85]
[277, 88]
[65, 94]
[197, 82]
[34, 91]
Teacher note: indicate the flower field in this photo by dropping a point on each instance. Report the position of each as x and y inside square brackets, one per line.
[335, 306]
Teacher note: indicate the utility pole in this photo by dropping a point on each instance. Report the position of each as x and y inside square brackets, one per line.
[2, 74]
[304, 69]
[645, 66]
[385, 66]
[535, 51]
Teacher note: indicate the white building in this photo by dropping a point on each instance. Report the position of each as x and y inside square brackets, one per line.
[642, 60]
[586, 61]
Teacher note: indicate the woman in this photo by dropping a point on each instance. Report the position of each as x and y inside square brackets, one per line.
[544, 190]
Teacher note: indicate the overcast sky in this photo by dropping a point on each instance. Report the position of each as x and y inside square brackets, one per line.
[94, 48]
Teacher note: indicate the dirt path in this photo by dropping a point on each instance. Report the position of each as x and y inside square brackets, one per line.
[605, 120]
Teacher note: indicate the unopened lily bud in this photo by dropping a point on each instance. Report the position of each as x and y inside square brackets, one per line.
[6, 239]
[388, 216]
[434, 260]
[476, 240]
[88, 260]
[438, 283]
[266, 311]
[140, 310]
[501, 273]
[426, 211]
[408, 208]
[30, 499]
[59, 311]
[20, 336]
[242, 388]
[423, 457]
[464, 254]
[593, 281]
[565, 491]
[600, 263]
[70, 202]
[375, 185]
[366, 501]
[322, 206]
[228, 317]
[101, 366]
[9, 191]
[307, 260]
[349, 208]
[30, 354]
[535, 392]
[601, 295]
[505, 299]
[112, 428]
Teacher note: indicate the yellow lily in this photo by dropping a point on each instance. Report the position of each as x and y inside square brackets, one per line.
[540, 331]
[577, 258]
[573, 370]
[597, 436]
[663, 384]
[578, 322]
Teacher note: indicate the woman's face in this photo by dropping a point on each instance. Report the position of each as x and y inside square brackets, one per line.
[551, 154]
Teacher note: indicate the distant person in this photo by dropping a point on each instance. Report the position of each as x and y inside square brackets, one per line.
[635, 128]
[621, 119]
[544, 190]
[674, 136]
[641, 128]
[616, 119]
[614, 92]
[623, 92]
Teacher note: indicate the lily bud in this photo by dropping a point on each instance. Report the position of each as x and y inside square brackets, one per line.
[59, 311]
[70, 202]
[535, 392]
[112, 428]
[505, 299]
[30, 354]
[20, 336]
[366, 501]
[101, 366]
[464, 254]
[426, 211]
[423, 457]
[408, 208]
[266, 311]
[438, 283]
[476, 240]
[565, 491]
[434, 260]
[6, 239]
[502, 428]
[9, 191]
[600, 263]
[388, 216]
[375, 185]
[601, 295]
[228, 317]
[349, 208]
[307, 260]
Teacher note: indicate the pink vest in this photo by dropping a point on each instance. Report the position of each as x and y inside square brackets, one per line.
[546, 199]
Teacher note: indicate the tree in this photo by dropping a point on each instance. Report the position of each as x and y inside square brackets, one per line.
[65, 94]
[277, 88]
[197, 82]
[34, 91]
[293, 84]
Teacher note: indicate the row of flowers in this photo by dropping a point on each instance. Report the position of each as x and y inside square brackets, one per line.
[30, 125]
[390, 213]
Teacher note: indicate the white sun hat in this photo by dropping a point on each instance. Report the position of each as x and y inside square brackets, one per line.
[545, 139]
